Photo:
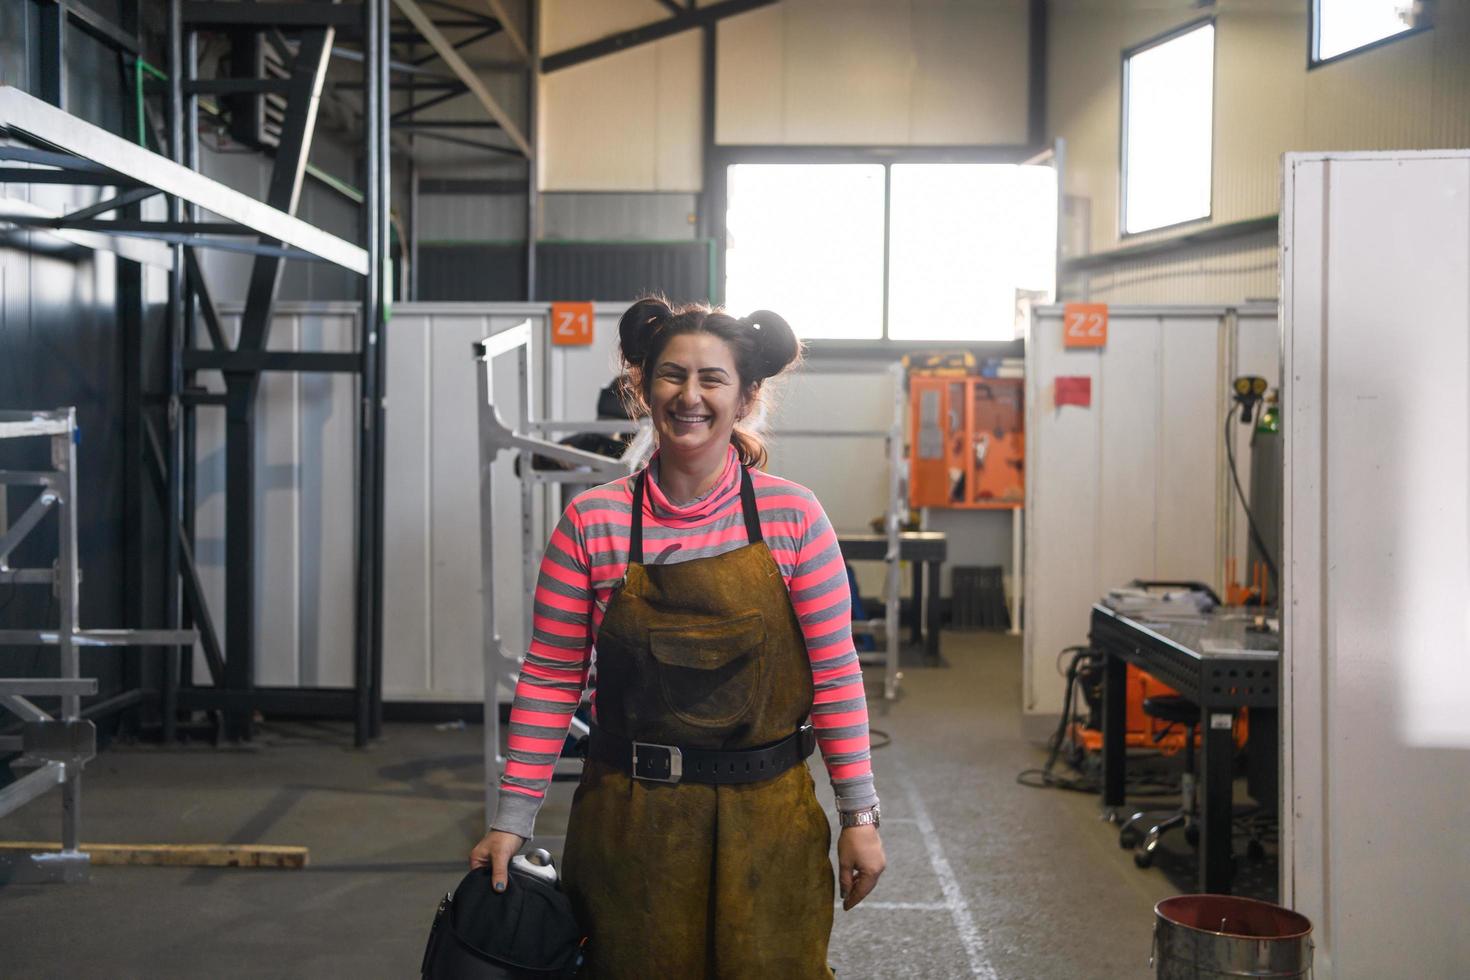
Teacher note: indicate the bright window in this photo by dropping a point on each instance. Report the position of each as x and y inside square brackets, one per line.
[1168, 123]
[806, 240]
[963, 241]
[965, 238]
[1341, 26]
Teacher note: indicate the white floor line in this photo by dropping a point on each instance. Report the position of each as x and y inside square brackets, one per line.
[959, 909]
[899, 906]
[890, 821]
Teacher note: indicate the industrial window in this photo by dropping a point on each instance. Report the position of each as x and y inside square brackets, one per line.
[806, 240]
[965, 239]
[1340, 27]
[959, 244]
[1168, 123]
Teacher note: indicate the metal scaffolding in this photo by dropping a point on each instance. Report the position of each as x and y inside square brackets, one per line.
[61, 745]
[50, 146]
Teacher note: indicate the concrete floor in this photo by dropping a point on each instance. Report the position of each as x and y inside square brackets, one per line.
[985, 878]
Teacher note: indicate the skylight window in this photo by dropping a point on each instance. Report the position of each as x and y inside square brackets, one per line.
[1341, 27]
[1168, 129]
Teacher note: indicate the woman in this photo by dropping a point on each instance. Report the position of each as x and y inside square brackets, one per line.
[719, 606]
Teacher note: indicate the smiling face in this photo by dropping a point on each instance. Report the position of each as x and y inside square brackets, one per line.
[695, 395]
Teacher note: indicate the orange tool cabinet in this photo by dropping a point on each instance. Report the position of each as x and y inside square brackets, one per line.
[967, 444]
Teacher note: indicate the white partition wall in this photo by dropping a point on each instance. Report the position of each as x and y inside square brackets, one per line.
[1135, 483]
[1376, 690]
[432, 634]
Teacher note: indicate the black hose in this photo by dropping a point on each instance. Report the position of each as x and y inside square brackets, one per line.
[1250, 518]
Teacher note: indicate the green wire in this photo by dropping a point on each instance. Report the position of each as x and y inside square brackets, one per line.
[139, 68]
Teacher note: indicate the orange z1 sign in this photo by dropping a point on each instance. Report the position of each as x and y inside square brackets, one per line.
[1085, 325]
[571, 324]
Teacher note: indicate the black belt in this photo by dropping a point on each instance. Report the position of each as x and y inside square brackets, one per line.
[675, 764]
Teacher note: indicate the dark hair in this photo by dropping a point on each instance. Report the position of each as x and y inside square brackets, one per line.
[762, 343]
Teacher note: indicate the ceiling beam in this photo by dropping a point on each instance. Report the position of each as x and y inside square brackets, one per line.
[38, 121]
[497, 8]
[456, 64]
[658, 30]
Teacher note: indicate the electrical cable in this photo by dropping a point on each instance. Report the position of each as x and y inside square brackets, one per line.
[1046, 777]
[1250, 518]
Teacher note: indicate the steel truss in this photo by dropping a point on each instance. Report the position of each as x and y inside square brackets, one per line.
[58, 745]
[57, 148]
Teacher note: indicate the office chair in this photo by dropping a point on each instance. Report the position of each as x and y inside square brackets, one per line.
[1176, 711]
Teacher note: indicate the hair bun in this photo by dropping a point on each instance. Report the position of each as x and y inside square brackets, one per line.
[638, 326]
[775, 341]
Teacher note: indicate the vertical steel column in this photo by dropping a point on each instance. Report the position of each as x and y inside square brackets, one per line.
[308, 71]
[51, 57]
[384, 187]
[887, 238]
[1036, 30]
[138, 493]
[413, 221]
[533, 162]
[239, 547]
[367, 653]
[68, 575]
[712, 198]
[177, 299]
[188, 485]
[893, 528]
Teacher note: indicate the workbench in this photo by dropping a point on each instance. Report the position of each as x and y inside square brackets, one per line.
[1219, 663]
[926, 549]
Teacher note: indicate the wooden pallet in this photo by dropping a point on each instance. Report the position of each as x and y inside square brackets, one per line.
[177, 855]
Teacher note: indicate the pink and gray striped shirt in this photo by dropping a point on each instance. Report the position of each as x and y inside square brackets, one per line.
[586, 559]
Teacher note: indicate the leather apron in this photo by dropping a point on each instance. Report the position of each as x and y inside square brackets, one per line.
[693, 880]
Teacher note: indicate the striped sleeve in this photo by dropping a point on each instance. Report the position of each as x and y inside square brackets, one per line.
[823, 603]
[552, 676]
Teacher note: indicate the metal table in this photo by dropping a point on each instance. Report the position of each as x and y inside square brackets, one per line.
[926, 549]
[1216, 662]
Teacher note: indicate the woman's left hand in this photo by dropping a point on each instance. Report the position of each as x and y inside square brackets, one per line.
[860, 861]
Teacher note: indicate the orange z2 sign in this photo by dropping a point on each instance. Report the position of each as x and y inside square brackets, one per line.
[571, 324]
[1085, 325]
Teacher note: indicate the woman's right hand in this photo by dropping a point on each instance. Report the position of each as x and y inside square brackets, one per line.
[494, 852]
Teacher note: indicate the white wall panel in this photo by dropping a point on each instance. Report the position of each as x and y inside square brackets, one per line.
[1185, 521]
[1128, 407]
[408, 505]
[849, 475]
[1377, 322]
[432, 617]
[569, 23]
[874, 71]
[1134, 485]
[629, 121]
[1063, 532]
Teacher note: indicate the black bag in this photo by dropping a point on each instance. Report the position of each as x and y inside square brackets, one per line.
[526, 932]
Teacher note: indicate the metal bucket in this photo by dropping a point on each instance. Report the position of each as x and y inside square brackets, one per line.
[1211, 937]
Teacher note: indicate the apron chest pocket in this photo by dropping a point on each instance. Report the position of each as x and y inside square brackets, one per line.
[709, 674]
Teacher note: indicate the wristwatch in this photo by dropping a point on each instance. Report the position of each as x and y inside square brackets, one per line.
[859, 818]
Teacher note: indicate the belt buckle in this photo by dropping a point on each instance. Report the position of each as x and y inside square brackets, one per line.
[657, 763]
